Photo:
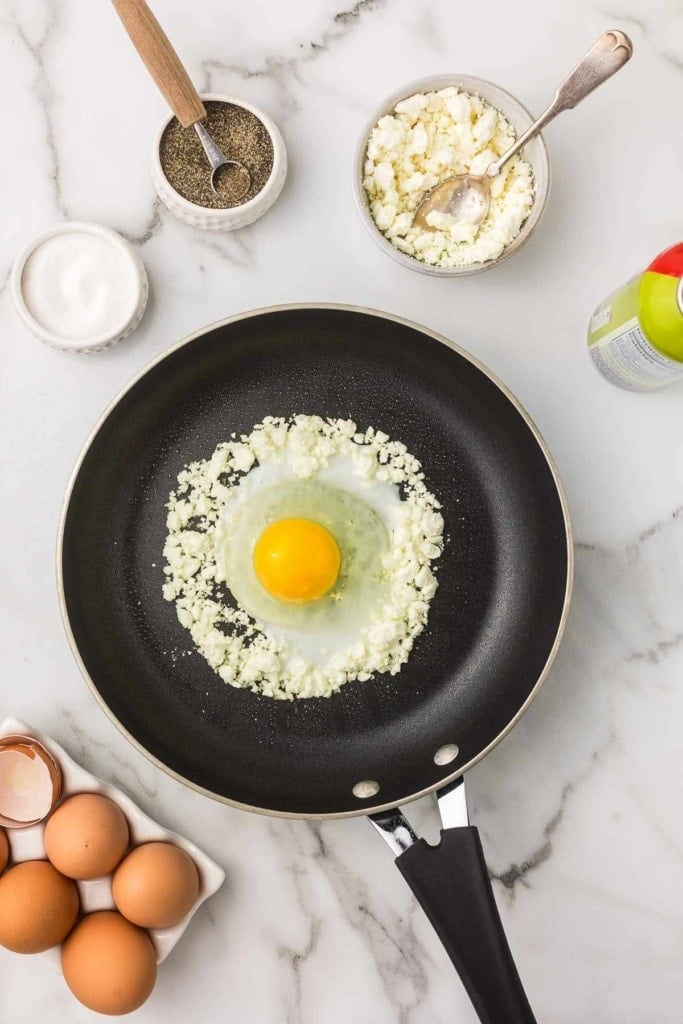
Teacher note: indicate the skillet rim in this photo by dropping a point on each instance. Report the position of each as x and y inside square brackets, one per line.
[248, 315]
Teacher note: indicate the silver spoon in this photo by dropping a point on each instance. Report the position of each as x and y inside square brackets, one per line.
[467, 196]
[218, 160]
[165, 67]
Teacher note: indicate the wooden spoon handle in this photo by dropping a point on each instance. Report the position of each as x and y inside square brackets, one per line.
[161, 60]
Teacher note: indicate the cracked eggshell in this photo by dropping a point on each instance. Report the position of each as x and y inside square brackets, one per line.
[30, 781]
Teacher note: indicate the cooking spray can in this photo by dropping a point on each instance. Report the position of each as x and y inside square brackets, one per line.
[635, 337]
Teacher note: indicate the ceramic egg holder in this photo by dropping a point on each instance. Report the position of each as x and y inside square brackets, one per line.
[28, 844]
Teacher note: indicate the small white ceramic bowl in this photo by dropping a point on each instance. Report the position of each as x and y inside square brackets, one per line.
[128, 258]
[236, 216]
[535, 152]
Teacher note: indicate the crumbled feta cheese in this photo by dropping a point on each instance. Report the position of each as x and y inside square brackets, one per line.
[428, 138]
[227, 637]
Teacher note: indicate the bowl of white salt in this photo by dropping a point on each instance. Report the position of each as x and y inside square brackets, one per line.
[425, 133]
[80, 287]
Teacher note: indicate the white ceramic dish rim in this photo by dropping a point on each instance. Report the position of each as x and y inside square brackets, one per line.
[144, 829]
[255, 201]
[59, 340]
[472, 84]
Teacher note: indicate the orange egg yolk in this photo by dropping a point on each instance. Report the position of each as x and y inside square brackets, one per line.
[297, 560]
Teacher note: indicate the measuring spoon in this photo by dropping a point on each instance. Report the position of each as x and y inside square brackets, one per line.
[165, 67]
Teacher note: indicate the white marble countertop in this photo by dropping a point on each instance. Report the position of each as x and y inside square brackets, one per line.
[580, 808]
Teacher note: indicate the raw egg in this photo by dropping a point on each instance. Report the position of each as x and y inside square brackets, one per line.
[38, 907]
[297, 560]
[4, 851]
[109, 964]
[304, 557]
[87, 836]
[156, 886]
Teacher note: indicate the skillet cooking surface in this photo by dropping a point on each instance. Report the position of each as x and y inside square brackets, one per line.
[503, 579]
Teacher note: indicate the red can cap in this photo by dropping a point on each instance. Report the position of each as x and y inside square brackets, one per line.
[669, 262]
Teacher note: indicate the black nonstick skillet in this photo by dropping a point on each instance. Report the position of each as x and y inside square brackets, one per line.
[494, 625]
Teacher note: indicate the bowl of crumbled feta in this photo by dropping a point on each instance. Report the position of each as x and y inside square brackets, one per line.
[427, 132]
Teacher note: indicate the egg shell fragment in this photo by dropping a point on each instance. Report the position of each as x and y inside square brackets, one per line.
[30, 781]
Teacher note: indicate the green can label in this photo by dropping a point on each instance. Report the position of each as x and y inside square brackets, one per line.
[635, 337]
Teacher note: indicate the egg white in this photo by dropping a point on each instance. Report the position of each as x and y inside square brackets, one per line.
[359, 514]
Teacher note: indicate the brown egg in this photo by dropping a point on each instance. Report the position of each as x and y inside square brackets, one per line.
[4, 851]
[87, 836]
[38, 907]
[109, 964]
[156, 885]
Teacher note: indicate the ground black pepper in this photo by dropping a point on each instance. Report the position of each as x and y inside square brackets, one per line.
[241, 136]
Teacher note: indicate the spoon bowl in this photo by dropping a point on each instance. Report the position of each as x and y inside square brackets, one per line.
[221, 166]
[464, 196]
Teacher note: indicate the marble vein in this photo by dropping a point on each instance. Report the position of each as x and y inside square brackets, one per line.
[397, 954]
[647, 32]
[399, 959]
[126, 772]
[660, 649]
[279, 69]
[43, 91]
[426, 25]
[232, 247]
[517, 873]
[150, 229]
[661, 524]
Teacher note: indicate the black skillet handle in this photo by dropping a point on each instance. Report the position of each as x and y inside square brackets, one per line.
[451, 884]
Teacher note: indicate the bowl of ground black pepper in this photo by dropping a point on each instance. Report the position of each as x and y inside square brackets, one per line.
[182, 174]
